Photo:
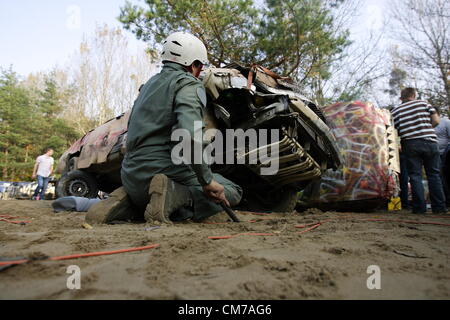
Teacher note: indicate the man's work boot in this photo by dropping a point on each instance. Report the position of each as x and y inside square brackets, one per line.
[166, 196]
[117, 207]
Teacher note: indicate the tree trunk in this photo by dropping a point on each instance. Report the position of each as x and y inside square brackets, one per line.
[5, 168]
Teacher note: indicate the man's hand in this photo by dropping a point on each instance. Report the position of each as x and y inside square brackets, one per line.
[215, 191]
[33, 176]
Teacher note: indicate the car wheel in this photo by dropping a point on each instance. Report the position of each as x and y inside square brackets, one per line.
[77, 183]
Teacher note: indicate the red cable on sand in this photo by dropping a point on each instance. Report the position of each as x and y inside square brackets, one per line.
[84, 255]
[103, 253]
[309, 229]
[16, 222]
[240, 234]
[316, 225]
[7, 218]
[407, 221]
[6, 263]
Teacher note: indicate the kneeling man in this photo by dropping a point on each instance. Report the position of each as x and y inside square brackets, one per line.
[153, 185]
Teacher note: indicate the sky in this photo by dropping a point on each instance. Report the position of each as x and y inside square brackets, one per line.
[36, 35]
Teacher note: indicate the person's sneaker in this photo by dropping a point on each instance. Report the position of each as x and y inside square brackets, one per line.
[117, 207]
[166, 196]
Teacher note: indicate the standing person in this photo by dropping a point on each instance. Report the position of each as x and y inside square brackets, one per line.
[443, 136]
[415, 120]
[404, 181]
[43, 168]
[156, 187]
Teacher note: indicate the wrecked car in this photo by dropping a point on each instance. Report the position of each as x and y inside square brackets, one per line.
[369, 176]
[237, 98]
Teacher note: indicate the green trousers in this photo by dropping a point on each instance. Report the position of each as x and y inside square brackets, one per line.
[137, 172]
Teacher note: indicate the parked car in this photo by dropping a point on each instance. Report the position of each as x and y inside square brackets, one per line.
[4, 185]
[24, 190]
[238, 98]
[4, 189]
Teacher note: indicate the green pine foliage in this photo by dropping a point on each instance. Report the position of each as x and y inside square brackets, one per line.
[298, 38]
[29, 123]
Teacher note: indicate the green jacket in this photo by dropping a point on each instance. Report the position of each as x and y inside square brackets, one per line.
[170, 100]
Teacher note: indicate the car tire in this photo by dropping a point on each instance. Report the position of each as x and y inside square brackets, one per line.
[77, 183]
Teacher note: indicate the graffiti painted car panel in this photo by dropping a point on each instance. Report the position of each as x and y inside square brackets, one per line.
[368, 143]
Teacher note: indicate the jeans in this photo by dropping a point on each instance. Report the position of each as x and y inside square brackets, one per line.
[446, 174]
[42, 187]
[424, 153]
[404, 179]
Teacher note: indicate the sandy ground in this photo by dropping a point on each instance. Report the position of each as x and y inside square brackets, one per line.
[329, 262]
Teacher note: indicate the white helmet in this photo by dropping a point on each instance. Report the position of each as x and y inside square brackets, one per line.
[184, 48]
